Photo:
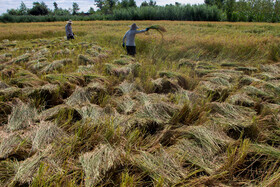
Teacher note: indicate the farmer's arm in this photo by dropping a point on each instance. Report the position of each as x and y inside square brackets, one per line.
[124, 37]
[144, 30]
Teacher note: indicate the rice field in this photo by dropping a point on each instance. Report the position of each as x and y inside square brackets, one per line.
[199, 105]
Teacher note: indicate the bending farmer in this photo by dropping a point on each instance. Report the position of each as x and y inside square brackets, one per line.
[68, 29]
[130, 39]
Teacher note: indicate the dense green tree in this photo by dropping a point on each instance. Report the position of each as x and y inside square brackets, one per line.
[229, 8]
[23, 9]
[144, 3]
[91, 10]
[99, 3]
[218, 3]
[55, 6]
[131, 3]
[39, 9]
[14, 12]
[75, 8]
[124, 4]
[152, 3]
[177, 4]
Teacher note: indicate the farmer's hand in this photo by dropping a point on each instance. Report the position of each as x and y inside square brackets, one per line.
[147, 29]
[123, 45]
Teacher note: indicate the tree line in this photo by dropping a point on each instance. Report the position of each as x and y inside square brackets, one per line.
[211, 10]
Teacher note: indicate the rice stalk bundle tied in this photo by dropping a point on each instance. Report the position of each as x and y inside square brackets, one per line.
[158, 28]
[97, 163]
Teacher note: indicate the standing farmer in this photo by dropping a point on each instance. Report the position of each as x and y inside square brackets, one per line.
[130, 39]
[68, 29]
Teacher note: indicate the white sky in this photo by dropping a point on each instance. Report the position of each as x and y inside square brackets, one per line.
[84, 5]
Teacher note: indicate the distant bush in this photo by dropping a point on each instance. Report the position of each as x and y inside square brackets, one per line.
[187, 13]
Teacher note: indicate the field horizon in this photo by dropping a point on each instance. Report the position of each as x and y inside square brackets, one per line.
[197, 106]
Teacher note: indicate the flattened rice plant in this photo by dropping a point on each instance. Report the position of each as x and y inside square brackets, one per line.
[21, 117]
[97, 163]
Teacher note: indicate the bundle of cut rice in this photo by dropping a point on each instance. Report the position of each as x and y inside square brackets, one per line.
[158, 28]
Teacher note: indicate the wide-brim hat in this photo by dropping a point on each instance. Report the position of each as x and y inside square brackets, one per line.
[70, 21]
[134, 26]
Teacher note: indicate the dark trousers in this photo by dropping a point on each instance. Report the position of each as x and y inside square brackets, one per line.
[131, 50]
[70, 37]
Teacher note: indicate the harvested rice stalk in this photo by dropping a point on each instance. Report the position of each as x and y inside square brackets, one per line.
[164, 85]
[210, 140]
[25, 78]
[97, 163]
[56, 65]
[192, 154]
[21, 117]
[63, 79]
[236, 156]
[85, 60]
[123, 70]
[158, 112]
[14, 146]
[46, 134]
[241, 99]
[161, 165]
[28, 168]
[126, 105]
[80, 96]
[10, 92]
[20, 59]
[230, 116]
[158, 28]
[53, 113]
[5, 110]
[8, 170]
[91, 112]
[125, 88]
[3, 85]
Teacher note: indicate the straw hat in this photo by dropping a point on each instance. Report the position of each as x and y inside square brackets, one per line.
[134, 26]
[70, 21]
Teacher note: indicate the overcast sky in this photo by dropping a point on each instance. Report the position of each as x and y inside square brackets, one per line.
[83, 4]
